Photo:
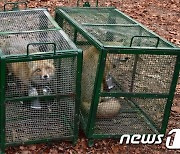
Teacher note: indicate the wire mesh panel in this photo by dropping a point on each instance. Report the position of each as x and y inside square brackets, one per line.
[55, 119]
[40, 90]
[26, 20]
[129, 73]
[141, 73]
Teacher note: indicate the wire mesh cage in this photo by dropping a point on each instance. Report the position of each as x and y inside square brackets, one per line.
[26, 20]
[129, 73]
[40, 89]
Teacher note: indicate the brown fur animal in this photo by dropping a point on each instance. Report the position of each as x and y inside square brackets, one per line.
[38, 72]
[106, 108]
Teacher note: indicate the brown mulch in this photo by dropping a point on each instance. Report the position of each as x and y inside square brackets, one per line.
[161, 16]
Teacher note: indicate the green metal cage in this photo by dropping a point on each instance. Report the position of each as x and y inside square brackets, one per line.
[129, 73]
[40, 80]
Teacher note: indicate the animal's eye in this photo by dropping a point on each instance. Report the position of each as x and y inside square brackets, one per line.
[38, 70]
[47, 67]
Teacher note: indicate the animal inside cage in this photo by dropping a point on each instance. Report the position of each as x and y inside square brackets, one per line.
[129, 73]
[39, 88]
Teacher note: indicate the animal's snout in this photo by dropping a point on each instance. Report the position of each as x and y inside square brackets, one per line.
[46, 76]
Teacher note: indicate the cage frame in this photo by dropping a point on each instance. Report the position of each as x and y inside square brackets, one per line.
[62, 16]
[58, 55]
[46, 13]
[26, 57]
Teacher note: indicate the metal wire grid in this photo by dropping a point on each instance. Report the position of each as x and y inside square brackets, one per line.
[88, 71]
[41, 77]
[142, 73]
[96, 16]
[154, 108]
[29, 20]
[17, 43]
[55, 119]
[123, 36]
[129, 120]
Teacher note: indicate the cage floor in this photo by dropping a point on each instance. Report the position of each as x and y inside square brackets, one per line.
[25, 124]
[123, 123]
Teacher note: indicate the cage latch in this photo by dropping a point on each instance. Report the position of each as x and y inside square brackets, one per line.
[86, 4]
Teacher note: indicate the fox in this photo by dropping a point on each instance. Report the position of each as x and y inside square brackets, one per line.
[107, 108]
[37, 72]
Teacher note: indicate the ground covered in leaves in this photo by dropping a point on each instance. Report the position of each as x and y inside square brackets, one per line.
[163, 17]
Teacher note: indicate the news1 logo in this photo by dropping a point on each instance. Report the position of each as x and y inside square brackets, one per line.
[175, 142]
[171, 142]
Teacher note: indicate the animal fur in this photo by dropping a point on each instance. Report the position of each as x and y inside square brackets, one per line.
[108, 107]
[38, 72]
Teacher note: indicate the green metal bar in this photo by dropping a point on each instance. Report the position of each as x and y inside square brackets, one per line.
[96, 93]
[113, 25]
[141, 95]
[145, 28]
[82, 43]
[97, 3]
[78, 94]
[75, 36]
[171, 96]
[135, 62]
[2, 106]
[40, 56]
[47, 97]
[155, 37]
[81, 8]
[28, 10]
[59, 20]
[41, 43]
[147, 119]
[115, 136]
[30, 31]
[81, 30]
[142, 50]
[48, 140]
[52, 20]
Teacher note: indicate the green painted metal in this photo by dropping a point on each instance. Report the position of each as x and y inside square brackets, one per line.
[80, 29]
[47, 140]
[160, 47]
[171, 96]
[51, 55]
[96, 92]
[2, 105]
[78, 95]
[74, 53]
[86, 4]
[155, 37]
[143, 50]
[131, 94]
[42, 43]
[147, 118]
[151, 32]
